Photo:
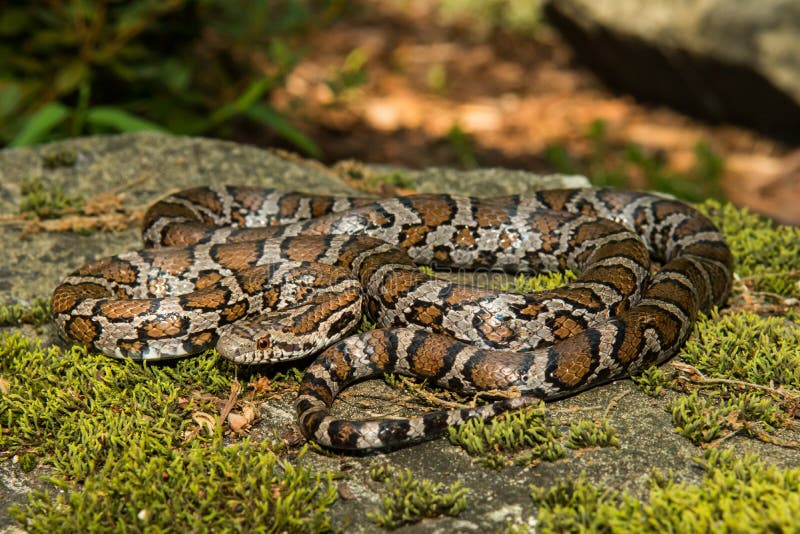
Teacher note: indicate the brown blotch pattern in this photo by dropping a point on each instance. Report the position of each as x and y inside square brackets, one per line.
[564, 326]
[236, 257]
[288, 205]
[414, 235]
[556, 198]
[396, 284]
[175, 262]
[433, 212]
[248, 198]
[574, 362]
[203, 197]
[494, 372]
[340, 363]
[495, 334]
[83, 330]
[201, 339]
[464, 238]
[427, 359]
[182, 235]
[490, 215]
[168, 210]
[125, 310]
[207, 279]
[235, 312]
[163, 327]
[131, 347]
[321, 205]
[270, 297]
[427, 314]
[66, 297]
[208, 299]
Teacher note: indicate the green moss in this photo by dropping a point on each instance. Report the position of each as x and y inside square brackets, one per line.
[766, 254]
[46, 201]
[705, 419]
[747, 347]
[584, 434]
[394, 179]
[76, 409]
[145, 442]
[62, 157]
[380, 472]
[735, 495]
[243, 487]
[571, 506]
[409, 499]
[652, 381]
[541, 282]
[494, 440]
[28, 462]
[742, 372]
[38, 313]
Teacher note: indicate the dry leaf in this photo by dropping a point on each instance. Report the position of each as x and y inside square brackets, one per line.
[344, 492]
[237, 422]
[205, 420]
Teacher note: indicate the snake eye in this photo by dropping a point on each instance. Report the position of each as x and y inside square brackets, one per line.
[262, 344]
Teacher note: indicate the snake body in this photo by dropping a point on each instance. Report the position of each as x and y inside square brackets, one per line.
[298, 263]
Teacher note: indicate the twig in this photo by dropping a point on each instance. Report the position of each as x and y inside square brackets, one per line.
[697, 378]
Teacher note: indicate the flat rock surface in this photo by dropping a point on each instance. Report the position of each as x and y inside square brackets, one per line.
[144, 167]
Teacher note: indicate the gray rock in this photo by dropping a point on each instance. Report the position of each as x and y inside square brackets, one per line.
[728, 60]
[147, 166]
[489, 182]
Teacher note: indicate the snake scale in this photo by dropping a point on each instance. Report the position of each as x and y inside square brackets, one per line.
[266, 276]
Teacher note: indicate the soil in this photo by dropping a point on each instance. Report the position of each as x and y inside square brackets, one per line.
[453, 94]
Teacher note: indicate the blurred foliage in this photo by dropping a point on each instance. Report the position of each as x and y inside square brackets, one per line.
[71, 67]
[484, 16]
[613, 165]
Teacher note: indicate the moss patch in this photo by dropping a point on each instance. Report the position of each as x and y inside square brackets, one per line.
[531, 430]
[38, 313]
[742, 373]
[540, 282]
[766, 254]
[243, 487]
[409, 499]
[586, 434]
[747, 347]
[735, 495]
[46, 201]
[146, 446]
[496, 440]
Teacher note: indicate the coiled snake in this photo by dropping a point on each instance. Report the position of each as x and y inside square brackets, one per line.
[302, 268]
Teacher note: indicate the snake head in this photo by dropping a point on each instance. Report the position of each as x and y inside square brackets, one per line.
[279, 336]
[261, 340]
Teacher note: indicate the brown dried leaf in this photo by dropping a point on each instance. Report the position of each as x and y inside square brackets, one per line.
[104, 203]
[262, 385]
[4, 386]
[237, 422]
[205, 420]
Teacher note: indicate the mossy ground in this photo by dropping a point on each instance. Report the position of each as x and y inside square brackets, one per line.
[147, 446]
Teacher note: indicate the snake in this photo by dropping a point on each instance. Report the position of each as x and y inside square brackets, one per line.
[265, 276]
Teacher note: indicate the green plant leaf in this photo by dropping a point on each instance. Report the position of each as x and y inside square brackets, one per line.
[266, 115]
[40, 124]
[253, 92]
[71, 76]
[120, 120]
[10, 97]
